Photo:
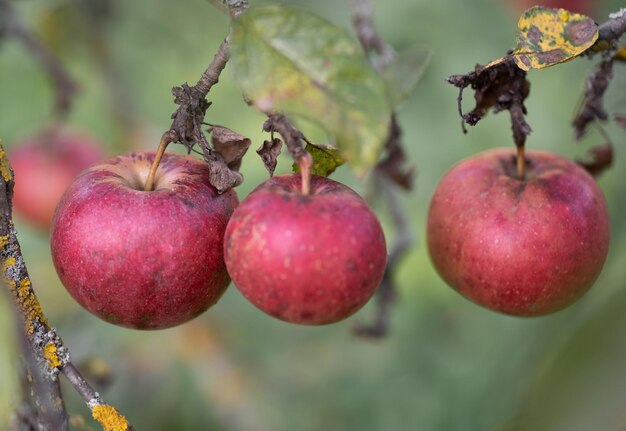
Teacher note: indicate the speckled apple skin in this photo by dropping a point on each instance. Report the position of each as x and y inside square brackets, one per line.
[524, 248]
[143, 260]
[313, 259]
[44, 166]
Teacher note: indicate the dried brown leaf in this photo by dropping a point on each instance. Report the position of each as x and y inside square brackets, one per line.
[221, 176]
[269, 152]
[230, 145]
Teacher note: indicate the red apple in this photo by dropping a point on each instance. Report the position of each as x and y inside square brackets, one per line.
[44, 166]
[144, 260]
[586, 7]
[309, 259]
[521, 247]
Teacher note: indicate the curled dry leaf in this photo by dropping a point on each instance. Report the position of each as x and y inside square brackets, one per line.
[592, 107]
[269, 152]
[499, 85]
[231, 145]
[220, 176]
[395, 163]
[601, 158]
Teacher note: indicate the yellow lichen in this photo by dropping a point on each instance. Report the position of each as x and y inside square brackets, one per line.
[25, 298]
[50, 354]
[109, 418]
[5, 166]
[4, 240]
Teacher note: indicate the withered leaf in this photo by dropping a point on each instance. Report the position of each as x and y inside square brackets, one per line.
[269, 152]
[221, 176]
[230, 145]
[395, 163]
[601, 158]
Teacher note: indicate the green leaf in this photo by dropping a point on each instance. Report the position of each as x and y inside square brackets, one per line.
[287, 60]
[325, 159]
[404, 72]
[546, 37]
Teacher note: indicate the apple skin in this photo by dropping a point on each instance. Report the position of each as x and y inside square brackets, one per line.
[524, 248]
[309, 259]
[143, 260]
[44, 166]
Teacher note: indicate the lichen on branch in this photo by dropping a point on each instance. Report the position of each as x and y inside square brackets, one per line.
[45, 355]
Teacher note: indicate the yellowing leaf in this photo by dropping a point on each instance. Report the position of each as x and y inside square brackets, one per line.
[546, 37]
[325, 160]
[287, 60]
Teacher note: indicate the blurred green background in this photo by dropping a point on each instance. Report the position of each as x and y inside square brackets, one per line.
[447, 364]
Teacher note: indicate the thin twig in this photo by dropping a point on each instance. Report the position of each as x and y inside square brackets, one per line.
[64, 86]
[371, 41]
[614, 28]
[294, 138]
[390, 174]
[49, 355]
[188, 119]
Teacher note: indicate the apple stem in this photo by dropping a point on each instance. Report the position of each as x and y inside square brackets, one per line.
[305, 162]
[166, 139]
[521, 162]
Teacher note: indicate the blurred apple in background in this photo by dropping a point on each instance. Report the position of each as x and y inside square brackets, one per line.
[44, 166]
[586, 7]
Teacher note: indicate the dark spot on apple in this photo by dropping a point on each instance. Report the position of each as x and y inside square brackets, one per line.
[306, 315]
[188, 203]
[144, 322]
[108, 316]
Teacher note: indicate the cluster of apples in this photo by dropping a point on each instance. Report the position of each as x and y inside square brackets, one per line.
[155, 259]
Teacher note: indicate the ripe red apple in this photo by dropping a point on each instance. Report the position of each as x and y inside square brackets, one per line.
[309, 259]
[586, 7]
[522, 247]
[44, 166]
[144, 260]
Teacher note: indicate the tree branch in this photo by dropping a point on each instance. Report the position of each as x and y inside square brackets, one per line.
[614, 28]
[188, 119]
[48, 355]
[64, 86]
[390, 174]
